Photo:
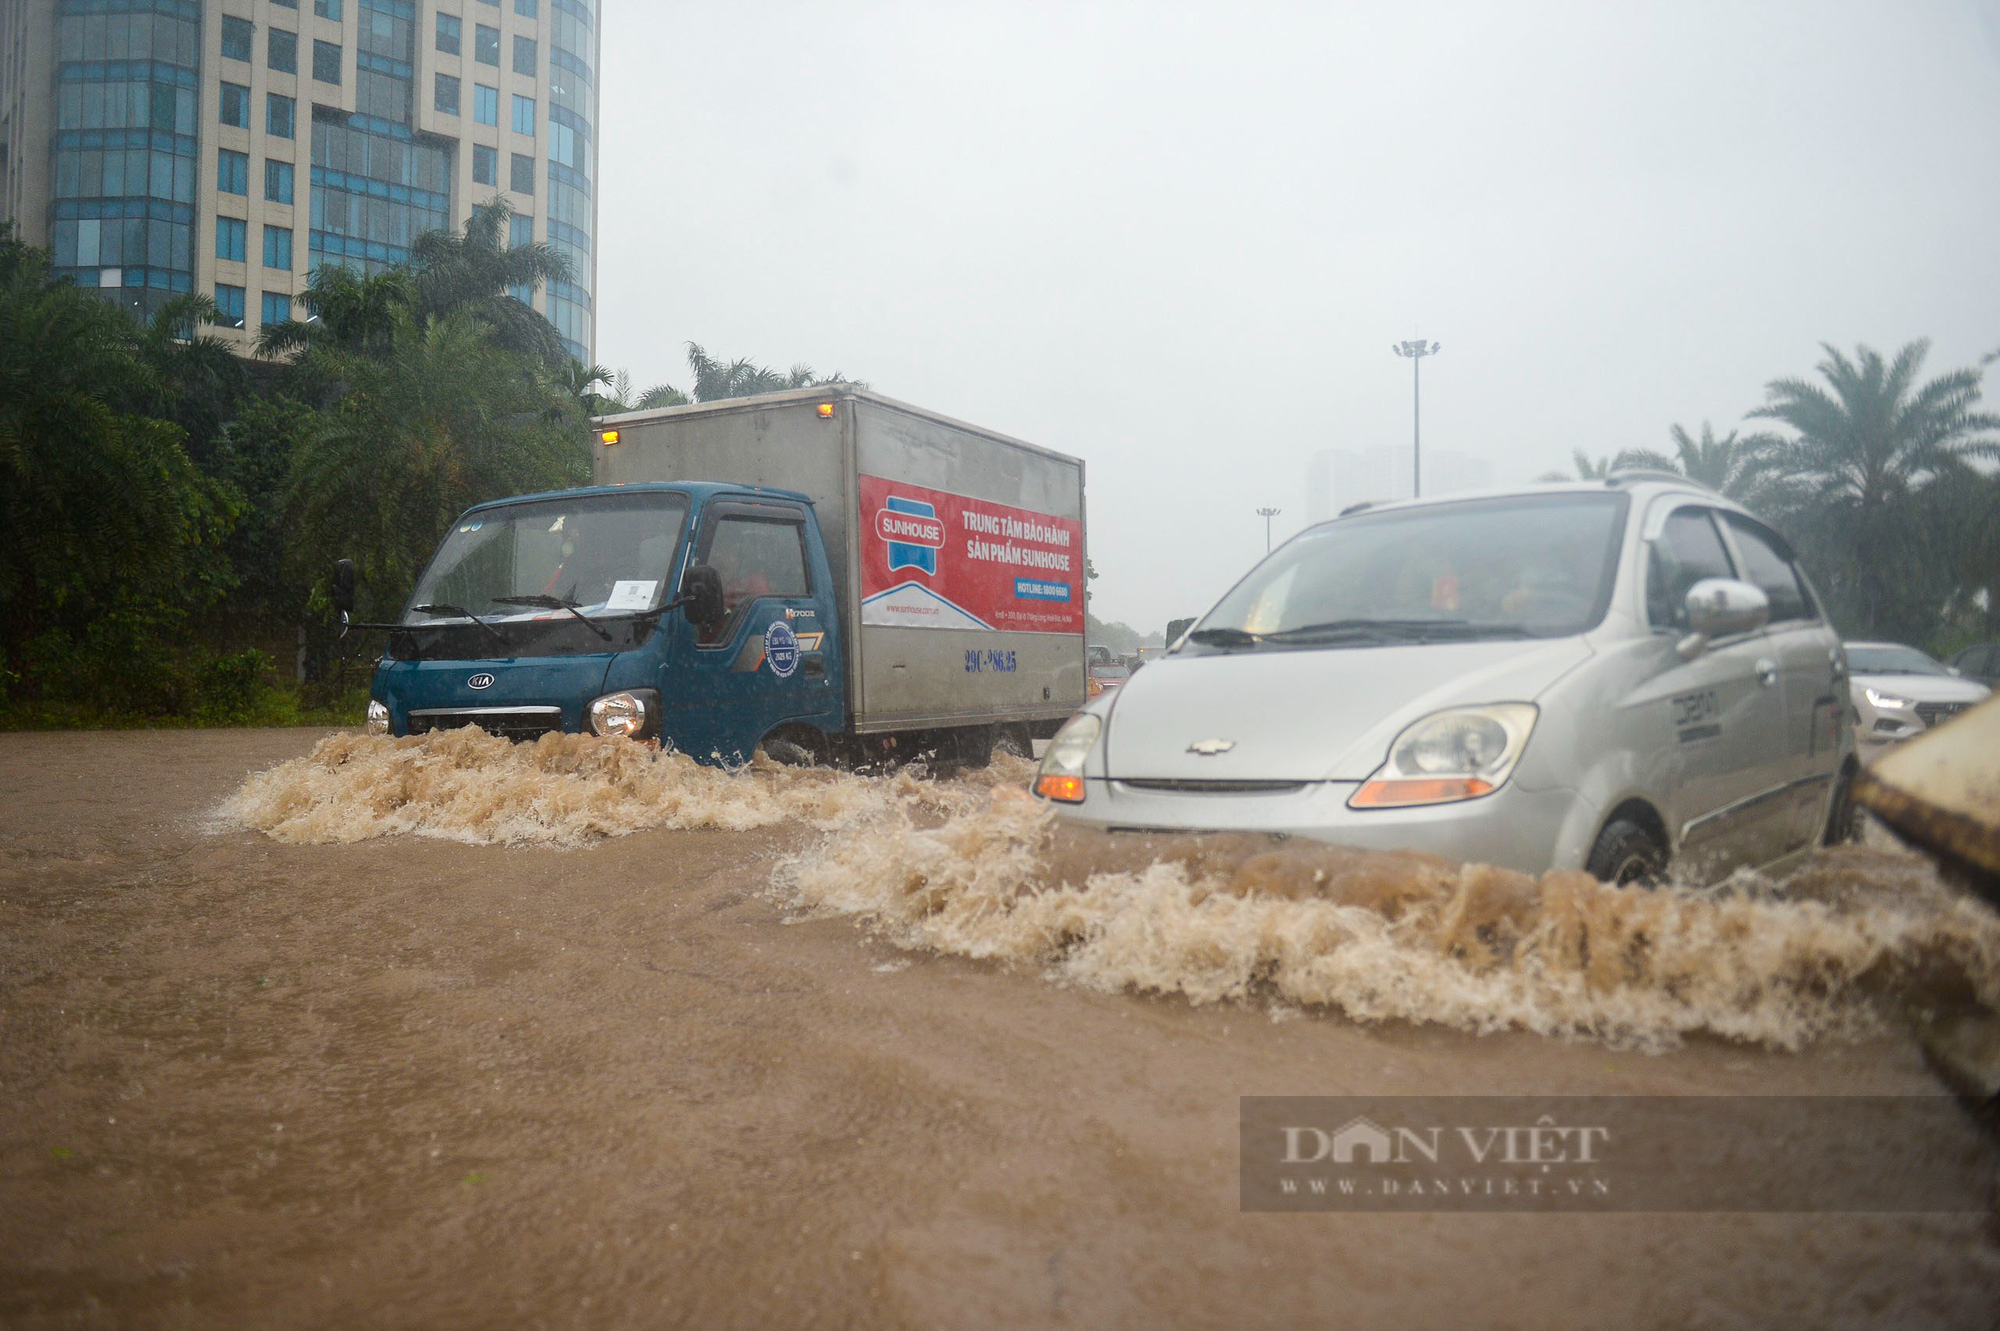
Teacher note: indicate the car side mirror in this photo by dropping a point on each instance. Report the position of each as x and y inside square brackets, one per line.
[1721, 608]
[701, 597]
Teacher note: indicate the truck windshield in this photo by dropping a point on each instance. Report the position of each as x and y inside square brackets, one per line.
[603, 554]
[1516, 567]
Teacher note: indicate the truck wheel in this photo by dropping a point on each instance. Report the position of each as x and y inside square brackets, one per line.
[792, 749]
[1626, 852]
[1014, 741]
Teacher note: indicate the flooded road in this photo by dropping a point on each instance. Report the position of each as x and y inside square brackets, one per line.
[456, 1035]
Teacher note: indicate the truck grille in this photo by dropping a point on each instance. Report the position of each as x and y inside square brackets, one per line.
[1178, 787]
[1935, 712]
[515, 723]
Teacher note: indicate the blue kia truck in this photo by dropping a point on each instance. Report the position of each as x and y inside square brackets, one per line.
[825, 573]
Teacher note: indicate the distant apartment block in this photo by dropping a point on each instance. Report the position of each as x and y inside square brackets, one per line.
[1338, 478]
[233, 146]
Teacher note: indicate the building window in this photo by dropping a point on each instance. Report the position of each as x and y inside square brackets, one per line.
[449, 28]
[286, 4]
[281, 50]
[229, 238]
[278, 182]
[229, 305]
[232, 172]
[526, 56]
[278, 247]
[525, 8]
[485, 165]
[485, 104]
[520, 231]
[236, 33]
[236, 105]
[486, 44]
[326, 63]
[521, 179]
[524, 115]
[446, 98]
[327, 9]
[279, 113]
[277, 308]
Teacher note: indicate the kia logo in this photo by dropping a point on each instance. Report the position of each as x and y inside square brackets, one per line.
[481, 681]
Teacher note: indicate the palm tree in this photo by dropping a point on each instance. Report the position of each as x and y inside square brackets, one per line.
[475, 273]
[1863, 459]
[714, 380]
[344, 309]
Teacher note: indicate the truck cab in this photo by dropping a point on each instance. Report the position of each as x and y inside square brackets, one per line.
[700, 613]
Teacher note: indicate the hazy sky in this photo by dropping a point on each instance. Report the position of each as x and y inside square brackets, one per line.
[1178, 242]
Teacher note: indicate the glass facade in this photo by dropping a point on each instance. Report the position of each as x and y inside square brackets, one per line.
[121, 212]
[137, 118]
[376, 186]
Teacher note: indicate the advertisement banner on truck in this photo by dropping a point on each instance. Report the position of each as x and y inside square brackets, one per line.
[933, 559]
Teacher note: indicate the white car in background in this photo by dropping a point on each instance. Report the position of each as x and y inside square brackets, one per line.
[1900, 691]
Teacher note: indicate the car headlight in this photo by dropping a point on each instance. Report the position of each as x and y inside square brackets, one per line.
[1880, 699]
[378, 719]
[624, 715]
[1459, 754]
[1061, 776]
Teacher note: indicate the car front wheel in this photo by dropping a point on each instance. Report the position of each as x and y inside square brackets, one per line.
[1627, 852]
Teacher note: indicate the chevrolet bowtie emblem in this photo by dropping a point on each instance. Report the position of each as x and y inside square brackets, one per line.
[1208, 748]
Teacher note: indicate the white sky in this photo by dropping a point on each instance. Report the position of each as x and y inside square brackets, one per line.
[1178, 242]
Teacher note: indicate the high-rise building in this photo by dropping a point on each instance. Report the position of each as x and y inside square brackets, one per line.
[232, 146]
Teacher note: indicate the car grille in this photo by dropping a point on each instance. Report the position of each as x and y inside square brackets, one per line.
[507, 722]
[1177, 787]
[1935, 712]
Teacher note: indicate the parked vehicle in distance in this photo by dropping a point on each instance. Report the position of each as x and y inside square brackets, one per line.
[1097, 654]
[1608, 676]
[1980, 662]
[1899, 691]
[825, 572]
[1104, 678]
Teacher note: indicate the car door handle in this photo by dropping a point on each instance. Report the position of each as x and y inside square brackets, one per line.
[1767, 672]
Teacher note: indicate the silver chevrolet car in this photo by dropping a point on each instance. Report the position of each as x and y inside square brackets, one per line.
[1608, 676]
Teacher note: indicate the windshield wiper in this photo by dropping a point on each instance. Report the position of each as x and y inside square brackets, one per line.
[446, 608]
[1225, 637]
[552, 603]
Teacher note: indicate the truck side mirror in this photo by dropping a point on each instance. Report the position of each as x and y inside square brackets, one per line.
[343, 586]
[701, 597]
[343, 591]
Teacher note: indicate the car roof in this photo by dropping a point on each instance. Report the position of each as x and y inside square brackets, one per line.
[1641, 484]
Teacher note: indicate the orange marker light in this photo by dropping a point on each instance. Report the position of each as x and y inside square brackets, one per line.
[826, 411]
[1068, 789]
[1396, 793]
[609, 437]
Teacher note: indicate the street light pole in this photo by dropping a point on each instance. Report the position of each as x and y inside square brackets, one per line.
[1267, 514]
[1416, 351]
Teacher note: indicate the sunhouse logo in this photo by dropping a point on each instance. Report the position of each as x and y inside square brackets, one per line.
[914, 534]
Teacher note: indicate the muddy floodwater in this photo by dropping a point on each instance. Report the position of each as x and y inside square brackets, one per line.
[311, 1030]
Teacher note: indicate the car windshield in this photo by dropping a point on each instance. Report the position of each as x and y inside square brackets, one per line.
[1891, 660]
[602, 554]
[1522, 566]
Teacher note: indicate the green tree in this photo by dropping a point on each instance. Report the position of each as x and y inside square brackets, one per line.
[715, 380]
[1866, 451]
[1733, 465]
[448, 418]
[108, 532]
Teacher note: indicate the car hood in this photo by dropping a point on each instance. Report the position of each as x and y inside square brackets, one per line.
[1310, 715]
[1925, 688]
[567, 682]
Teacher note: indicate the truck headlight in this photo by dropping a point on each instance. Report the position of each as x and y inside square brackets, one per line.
[624, 714]
[1061, 777]
[378, 719]
[1458, 754]
[1891, 700]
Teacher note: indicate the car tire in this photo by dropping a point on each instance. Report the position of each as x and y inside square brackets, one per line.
[1843, 816]
[1627, 853]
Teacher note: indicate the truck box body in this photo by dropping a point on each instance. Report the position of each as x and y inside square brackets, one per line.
[957, 553]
